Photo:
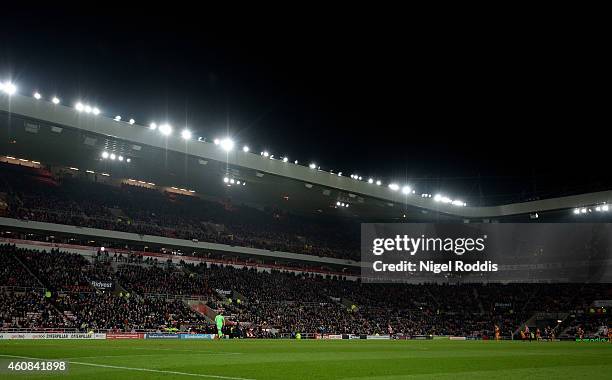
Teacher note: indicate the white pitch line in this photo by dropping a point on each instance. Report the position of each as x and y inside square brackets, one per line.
[134, 368]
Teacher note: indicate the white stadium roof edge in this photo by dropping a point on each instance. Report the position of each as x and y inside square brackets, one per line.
[67, 116]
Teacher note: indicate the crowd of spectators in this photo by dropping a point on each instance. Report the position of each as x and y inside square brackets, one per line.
[28, 310]
[141, 210]
[152, 295]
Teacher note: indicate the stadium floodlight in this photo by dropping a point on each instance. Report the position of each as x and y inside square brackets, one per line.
[165, 129]
[132, 121]
[95, 111]
[437, 198]
[186, 134]
[55, 100]
[128, 160]
[457, 202]
[394, 186]
[120, 158]
[225, 179]
[342, 204]
[87, 108]
[245, 149]
[8, 88]
[346, 205]
[338, 203]
[598, 208]
[265, 153]
[217, 141]
[583, 210]
[105, 155]
[378, 183]
[79, 106]
[271, 156]
[406, 190]
[605, 208]
[37, 95]
[112, 156]
[312, 166]
[118, 118]
[152, 126]
[576, 211]
[227, 144]
[370, 180]
[360, 178]
[285, 159]
[237, 182]
[232, 181]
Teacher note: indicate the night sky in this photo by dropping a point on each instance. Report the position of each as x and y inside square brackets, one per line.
[487, 112]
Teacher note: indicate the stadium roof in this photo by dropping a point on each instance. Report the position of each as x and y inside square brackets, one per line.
[52, 133]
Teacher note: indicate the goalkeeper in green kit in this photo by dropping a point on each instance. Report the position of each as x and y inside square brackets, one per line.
[220, 322]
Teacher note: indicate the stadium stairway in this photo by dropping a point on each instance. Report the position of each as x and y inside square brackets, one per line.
[43, 285]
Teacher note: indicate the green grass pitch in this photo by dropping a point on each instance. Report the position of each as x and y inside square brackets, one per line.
[291, 359]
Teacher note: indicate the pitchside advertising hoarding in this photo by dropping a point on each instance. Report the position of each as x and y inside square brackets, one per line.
[500, 252]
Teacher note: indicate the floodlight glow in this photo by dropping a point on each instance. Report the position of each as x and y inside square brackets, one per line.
[394, 186]
[576, 211]
[225, 179]
[232, 181]
[132, 121]
[8, 88]
[95, 111]
[227, 144]
[165, 129]
[118, 118]
[359, 178]
[112, 156]
[605, 208]
[265, 153]
[338, 203]
[378, 183]
[458, 203]
[37, 96]
[295, 162]
[342, 204]
[285, 159]
[370, 180]
[347, 205]
[186, 134]
[55, 100]
[339, 174]
[79, 106]
[312, 166]
[152, 126]
[128, 160]
[406, 190]
[598, 208]
[437, 198]
[87, 108]
[237, 182]
[104, 154]
[120, 158]
[245, 149]
[583, 210]
[216, 141]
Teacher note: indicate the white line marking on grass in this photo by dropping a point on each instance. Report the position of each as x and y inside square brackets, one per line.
[135, 369]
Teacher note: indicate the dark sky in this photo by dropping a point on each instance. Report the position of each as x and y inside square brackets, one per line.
[486, 112]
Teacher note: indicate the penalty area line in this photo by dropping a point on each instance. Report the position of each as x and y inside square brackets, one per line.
[134, 368]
